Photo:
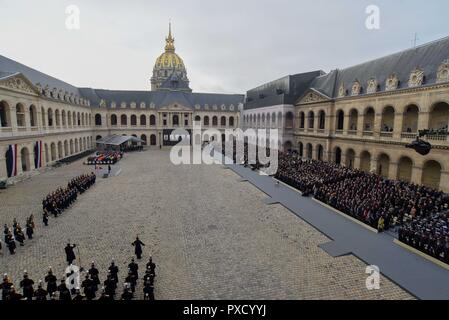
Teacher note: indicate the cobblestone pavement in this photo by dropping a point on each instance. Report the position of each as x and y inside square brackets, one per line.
[211, 236]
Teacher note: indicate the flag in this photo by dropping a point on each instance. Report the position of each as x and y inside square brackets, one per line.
[11, 160]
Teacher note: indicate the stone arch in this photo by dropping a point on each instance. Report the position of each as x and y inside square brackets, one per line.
[311, 119]
[33, 115]
[53, 151]
[71, 147]
[319, 152]
[353, 119]
[288, 145]
[123, 120]
[98, 119]
[405, 168]
[63, 118]
[383, 165]
[143, 120]
[143, 137]
[350, 158]
[309, 151]
[321, 120]
[439, 116]
[431, 174]
[113, 119]
[223, 121]
[301, 149]
[25, 159]
[57, 118]
[365, 161]
[133, 120]
[66, 148]
[214, 121]
[50, 117]
[5, 114]
[231, 121]
[20, 115]
[152, 120]
[340, 120]
[60, 150]
[206, 120]
[368, 119]
[76, 146]
[69, 118]
[387, 120]
[302, 120]
[153, 140]
[289, 120]
[410, 119]
[337, 155]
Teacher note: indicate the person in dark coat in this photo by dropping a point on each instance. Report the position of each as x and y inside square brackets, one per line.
[50, 279]
[113, 271]
[134, 268]
[109, 287]
[138, 247]
[89, 288]
[11, 243]
[27, 287]
[148, 291]
[151, 265]
[94, 274]
[64, 292]
[45, 218]
[6, 286]
[70, 254]
[40, 293]
[14, 296]
[29, 230]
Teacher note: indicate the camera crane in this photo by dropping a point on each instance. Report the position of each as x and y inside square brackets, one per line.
[423, 147]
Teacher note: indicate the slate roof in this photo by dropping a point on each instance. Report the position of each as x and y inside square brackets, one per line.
[285, 90]
[427, 57]
[10, 66]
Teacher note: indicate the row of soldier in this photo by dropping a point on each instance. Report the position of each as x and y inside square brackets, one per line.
[16, 233]
[69, 290]
[61, 199]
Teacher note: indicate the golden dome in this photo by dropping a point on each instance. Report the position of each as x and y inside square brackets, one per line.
[169, 60]
[167, 64]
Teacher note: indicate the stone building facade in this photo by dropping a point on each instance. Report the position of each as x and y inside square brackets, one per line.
[364, 116]
[44, 120]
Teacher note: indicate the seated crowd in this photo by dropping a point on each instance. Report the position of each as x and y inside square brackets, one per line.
[52, 289]
[106, 157]
[368, 197]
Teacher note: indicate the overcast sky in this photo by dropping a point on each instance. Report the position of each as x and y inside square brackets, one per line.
[227, 46]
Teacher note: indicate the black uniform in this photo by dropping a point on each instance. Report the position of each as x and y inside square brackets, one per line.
[70, 254]
[138, 247]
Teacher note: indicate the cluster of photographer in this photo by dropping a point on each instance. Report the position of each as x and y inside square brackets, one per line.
[89, 288]
[61, 199]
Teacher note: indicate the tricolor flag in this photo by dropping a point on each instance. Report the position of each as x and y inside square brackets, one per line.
[38, 154]
[11, 160]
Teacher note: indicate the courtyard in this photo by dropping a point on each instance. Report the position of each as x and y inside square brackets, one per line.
[211, 236]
